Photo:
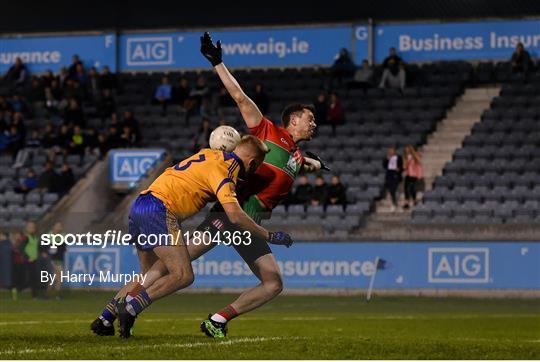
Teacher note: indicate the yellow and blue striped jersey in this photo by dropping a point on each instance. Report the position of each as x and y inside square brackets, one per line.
[188, 186]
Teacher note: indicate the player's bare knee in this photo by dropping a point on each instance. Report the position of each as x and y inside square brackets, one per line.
[274, 285]
[183, 277]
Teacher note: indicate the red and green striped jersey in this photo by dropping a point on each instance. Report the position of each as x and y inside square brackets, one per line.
[274, 179]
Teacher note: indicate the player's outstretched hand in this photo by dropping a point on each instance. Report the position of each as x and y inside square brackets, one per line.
[315, 157]
[210, 51]
[280, 238]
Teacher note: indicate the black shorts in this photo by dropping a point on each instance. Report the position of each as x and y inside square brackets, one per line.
[217, 222]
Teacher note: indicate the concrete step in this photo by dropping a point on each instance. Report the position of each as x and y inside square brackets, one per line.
[473, 105]
[481, 93]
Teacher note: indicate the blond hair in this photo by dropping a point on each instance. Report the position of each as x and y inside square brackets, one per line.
[254, 146]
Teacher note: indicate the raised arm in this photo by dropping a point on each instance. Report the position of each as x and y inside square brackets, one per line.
[249, 110]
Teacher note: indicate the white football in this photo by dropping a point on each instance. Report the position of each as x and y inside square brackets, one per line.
[224, 138]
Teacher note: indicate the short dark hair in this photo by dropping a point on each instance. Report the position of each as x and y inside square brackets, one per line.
[294, 110]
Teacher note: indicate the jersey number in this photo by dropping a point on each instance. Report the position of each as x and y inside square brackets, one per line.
[186, 166]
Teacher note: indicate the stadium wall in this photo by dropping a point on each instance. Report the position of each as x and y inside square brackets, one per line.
[420, 268]
[283, 46]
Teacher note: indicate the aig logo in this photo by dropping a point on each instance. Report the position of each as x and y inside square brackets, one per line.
[149, 51]
[458, 265]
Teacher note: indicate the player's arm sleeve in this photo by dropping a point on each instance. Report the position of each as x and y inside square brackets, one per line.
[223, 185]
[262, 129]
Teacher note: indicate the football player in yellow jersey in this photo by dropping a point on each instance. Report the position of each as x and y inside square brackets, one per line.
[178, 193]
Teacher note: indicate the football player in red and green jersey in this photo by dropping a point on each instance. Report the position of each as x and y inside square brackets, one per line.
[264, 190]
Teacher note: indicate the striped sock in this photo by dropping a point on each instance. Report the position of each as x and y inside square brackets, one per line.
[109, 313]
[225, 315]
[138, 303]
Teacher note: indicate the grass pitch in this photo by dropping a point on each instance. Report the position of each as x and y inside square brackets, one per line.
[291, 327]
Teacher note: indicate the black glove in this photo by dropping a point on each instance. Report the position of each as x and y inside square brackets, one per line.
[280, 238]
[315, 157]
[209, 50]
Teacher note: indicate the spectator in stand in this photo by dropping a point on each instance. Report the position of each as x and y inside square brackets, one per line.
[106, 105]
[75, 63]
[18, 104]
[53, 96]
[128, 137]
[343, 66]
[74, 115]
[521, 60]
[92, 85]
[320, 192]
[261, 99]
[90, 139]
[113, 139]
[29, 183]
[413, 173]
[363, 77]
[56, 256]
[19, 265]
[393, 166]
[198, 100]
[335, 115]
[73, 90]
[163, 94]
[18, 121]
[35, 95]
[80, 76]
[48, 78]
[336, 193]
[77, 144]
[304, 192]
[31, 147]
[47, 180]
[107, 79]
[5, 106]
[50, 138]
[102, 146]
[65, 180]
[17, 74]
[115, 123]
[202, 137]
[63, 77]
[132, 122]
[321, 108]
[14, 141]
[394, 71]
[181, 93]
[64, 139]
